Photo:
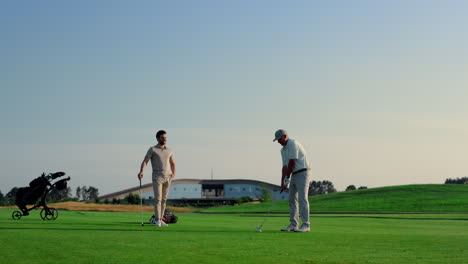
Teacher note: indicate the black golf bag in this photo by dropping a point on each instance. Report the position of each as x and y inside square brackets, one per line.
[39, 188]
[168, 218]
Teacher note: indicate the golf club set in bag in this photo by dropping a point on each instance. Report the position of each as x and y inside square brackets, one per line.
[36, 194]
[168, 218]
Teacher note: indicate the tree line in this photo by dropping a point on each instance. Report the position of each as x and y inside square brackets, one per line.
[83, 193]
[463, 180]
[325, 187]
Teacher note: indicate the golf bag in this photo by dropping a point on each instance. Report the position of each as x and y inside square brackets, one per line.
[38, 190]
[168, 218]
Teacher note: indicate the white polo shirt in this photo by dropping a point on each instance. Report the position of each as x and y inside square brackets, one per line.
[294, 150]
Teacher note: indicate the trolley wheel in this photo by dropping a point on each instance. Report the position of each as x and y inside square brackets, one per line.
[49, 213]
[17, 215]
[55, 213]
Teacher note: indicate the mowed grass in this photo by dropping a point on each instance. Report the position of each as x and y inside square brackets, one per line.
[117, 237]
[423, 198]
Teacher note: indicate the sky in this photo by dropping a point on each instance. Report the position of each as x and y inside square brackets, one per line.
[374, 90]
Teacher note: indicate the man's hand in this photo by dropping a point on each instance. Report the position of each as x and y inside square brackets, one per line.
[142, 167]
[285, 183]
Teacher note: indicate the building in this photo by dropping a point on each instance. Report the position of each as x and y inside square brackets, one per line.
[190, 191]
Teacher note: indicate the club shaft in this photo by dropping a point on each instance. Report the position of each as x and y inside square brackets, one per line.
[267, 214]
[141, 204]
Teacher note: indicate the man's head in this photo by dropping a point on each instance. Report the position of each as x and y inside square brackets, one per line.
[161, 137]
[282, 136]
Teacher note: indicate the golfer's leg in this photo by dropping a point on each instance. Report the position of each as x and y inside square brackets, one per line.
[157, 188]
[303, 191]
[165, 191]
[293, 213]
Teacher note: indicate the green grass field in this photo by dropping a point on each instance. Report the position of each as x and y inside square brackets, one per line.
[433, 229]
[424, 198]
[110, 237]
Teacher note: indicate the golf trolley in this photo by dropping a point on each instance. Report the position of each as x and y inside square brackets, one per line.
[38, 190]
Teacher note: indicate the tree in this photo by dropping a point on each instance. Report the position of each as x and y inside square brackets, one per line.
[78, 192]
[362, 187]
[2, 198]
[93, 193]
[59, 195]
[314, 188]
[133, 199]
[10, 197]
[84, 193]
[351, 188]
[463, 180]
[265, 196]
[321, 187]
[87, 193]
[328, 187]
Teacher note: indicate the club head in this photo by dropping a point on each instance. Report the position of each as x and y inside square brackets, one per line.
[258, 229]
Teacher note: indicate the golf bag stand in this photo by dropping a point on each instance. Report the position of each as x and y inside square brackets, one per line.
[36, 194]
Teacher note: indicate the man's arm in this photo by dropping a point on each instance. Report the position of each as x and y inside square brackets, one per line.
[142, 167]
[283, 176]
[286, 172]
[291, 166]
[173, 166]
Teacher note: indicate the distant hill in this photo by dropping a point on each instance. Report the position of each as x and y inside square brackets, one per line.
[424, 198]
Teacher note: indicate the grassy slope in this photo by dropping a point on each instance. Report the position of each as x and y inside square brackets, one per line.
[395, 199]
[114, 237]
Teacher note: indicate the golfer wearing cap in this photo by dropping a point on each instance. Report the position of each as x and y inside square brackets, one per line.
[296, 167]
[164, 170]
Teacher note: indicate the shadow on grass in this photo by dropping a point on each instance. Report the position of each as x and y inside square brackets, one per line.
[52, 223]
[361, 216]
[393, 217]
[262, 215]
[124, 230]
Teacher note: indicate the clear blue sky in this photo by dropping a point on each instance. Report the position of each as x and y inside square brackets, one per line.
[375, 90]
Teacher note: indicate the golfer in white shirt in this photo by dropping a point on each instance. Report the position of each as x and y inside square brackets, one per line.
[297, 169]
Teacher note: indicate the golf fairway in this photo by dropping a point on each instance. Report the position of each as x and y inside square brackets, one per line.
[117, 237]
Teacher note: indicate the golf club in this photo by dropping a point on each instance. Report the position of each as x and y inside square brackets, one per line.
[259, 228]
[141, 205]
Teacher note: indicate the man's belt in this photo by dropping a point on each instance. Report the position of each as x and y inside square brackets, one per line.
[301, 170]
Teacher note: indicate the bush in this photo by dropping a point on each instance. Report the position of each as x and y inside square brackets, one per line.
[244, 199]
[133, 199]
[70, 199]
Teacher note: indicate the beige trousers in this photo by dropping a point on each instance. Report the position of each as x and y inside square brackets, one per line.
[161, 187]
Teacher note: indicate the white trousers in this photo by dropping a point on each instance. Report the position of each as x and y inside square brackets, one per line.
[298, 198]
